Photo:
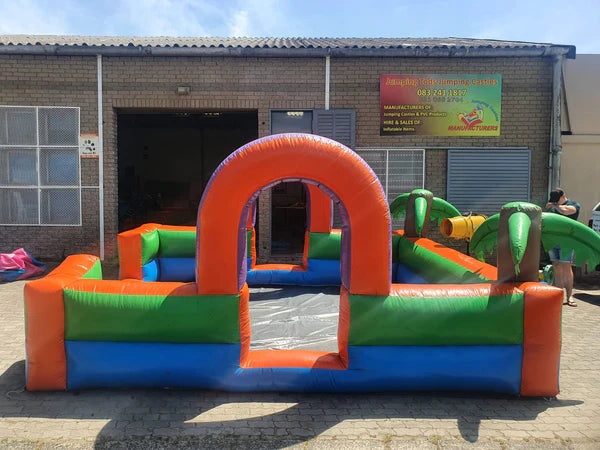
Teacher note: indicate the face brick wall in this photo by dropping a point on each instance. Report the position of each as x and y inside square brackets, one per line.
[256, 84]
[52, 81]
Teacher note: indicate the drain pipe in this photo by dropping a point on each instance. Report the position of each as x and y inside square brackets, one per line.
[100, 158]
[327, 77]
[555, 133]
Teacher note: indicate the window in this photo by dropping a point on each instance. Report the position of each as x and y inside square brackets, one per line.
[39, 166]
[291, 122]
[399, 171]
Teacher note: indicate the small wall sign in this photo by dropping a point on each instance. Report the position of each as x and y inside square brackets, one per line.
[88, 145]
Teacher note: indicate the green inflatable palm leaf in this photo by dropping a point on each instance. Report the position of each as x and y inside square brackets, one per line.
[518, 233]
[441, 209]
[485, 237]
[398, 206]
[571, 235]
[420, 214]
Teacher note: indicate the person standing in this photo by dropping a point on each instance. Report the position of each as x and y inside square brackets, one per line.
[563, 272]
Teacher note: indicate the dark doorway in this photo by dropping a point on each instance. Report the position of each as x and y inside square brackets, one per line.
[288, 200]
[165, 161]
[288, 219]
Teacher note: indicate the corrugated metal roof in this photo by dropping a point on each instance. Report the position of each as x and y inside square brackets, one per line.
[240, 43]
[250, 42]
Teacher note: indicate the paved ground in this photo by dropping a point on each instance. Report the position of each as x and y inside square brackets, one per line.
[207, 419]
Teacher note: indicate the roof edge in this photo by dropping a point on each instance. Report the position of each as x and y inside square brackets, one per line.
[568, 51]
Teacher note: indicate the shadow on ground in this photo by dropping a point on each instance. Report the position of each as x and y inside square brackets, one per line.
[592, 299]
[225, 419]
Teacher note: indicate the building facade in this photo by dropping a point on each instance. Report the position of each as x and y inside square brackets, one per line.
[580, 166]
[100, 131]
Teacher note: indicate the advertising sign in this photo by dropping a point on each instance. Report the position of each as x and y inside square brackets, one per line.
[440, 105]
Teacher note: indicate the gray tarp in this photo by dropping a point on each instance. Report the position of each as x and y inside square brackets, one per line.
[294, 318]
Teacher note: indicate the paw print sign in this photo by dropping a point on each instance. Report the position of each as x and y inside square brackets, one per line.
[88, 145]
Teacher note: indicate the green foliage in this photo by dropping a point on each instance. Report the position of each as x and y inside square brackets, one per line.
[571, 235]
[398, 206]
[441, 209]
[485, 237]
[519, 224]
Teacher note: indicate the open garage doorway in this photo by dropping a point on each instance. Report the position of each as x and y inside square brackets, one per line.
[165, 160]
[288, 220]
[288, 200]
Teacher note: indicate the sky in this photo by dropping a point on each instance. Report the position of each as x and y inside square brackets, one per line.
[567, 22]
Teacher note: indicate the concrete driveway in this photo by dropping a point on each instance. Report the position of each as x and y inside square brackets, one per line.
[209, 419]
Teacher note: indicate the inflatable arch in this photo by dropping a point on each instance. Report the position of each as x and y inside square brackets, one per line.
[338, 171]
[175, 260]
[82, 331]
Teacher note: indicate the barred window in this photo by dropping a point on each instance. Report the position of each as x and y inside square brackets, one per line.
[40, 176]
[399, 170]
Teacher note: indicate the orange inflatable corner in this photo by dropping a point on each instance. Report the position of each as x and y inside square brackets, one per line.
[45, 324]
[305, 251]
[541, 339]
[344, 325]
[249, 224]
[244, 318]
[319, 210]
[130, 250]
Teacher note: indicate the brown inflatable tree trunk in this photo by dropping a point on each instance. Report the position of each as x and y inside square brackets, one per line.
[519, 241]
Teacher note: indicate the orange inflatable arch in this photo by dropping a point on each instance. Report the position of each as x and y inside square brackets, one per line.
[335, 169]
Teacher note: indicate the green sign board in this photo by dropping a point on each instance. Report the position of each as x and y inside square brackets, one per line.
[440, 105]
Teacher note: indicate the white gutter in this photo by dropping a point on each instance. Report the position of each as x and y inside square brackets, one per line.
[100, 157]
[327, 79]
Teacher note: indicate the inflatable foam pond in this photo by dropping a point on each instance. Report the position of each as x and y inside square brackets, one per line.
[445, 324]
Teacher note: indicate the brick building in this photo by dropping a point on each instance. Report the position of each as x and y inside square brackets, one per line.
[172, 108]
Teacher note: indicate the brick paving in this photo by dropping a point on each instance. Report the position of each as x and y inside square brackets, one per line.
[210, 419]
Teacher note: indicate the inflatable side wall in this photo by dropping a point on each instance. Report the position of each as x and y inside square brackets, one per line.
[86, 332]
[154, 253]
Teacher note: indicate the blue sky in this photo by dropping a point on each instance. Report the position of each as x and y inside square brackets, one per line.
[575, 22]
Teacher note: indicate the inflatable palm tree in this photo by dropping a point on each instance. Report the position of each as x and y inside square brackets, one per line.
[521, 228]
[420, 206]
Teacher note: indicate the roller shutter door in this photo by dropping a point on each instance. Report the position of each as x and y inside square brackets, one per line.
[483, 180]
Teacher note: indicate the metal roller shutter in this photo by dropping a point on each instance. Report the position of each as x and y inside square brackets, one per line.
[483, 180]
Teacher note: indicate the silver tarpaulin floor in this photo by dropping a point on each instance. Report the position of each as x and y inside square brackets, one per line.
[294, 317]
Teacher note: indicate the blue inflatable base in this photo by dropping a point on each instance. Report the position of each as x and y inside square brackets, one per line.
[170, 269]
[320, 272]
[495, 368]
[406, 276]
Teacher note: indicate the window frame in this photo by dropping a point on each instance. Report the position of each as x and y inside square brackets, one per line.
[290, 110]
[396, 223]
[40, 186]
[387, 151]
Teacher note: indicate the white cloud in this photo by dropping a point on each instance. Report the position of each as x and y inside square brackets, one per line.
[31, 17]
[260, 18]
[162, 18]
[238, 26]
